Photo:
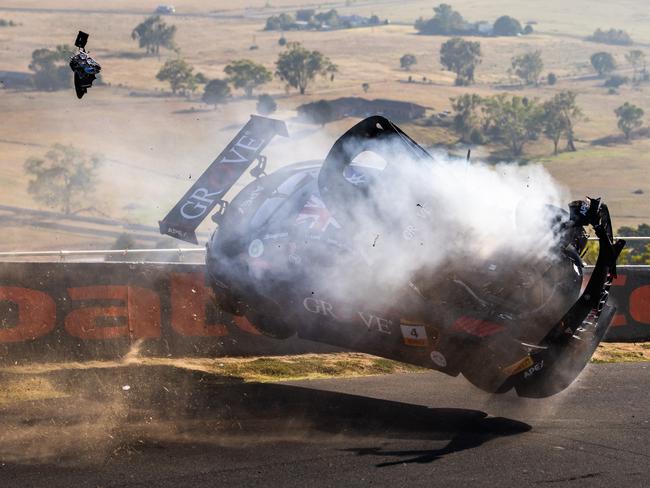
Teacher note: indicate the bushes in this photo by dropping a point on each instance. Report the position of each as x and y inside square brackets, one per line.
[51, 70]
[612, 36]
[507, 26]
[448, 22]
[266, 105]
[514, 121]
[320, 112]
[616, 81]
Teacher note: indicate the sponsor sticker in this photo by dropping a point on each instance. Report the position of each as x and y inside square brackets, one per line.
[519, 366]
[476, 327]
[256, 248]
[373, 322]
[534, 369]
[414, 335]
[319, 307]
[438, 359]
[409, 232]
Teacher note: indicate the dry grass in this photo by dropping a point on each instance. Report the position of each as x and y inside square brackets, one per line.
[28, 389]
[622, 352]
[29, 382]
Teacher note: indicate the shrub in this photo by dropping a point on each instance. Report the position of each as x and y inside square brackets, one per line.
[266, 105]
[506, 26]
[616, 81]
[612, 36]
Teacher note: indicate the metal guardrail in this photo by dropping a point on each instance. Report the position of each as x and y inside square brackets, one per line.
[94, 252]
[634, 238]
[180, 251]
[120, 253]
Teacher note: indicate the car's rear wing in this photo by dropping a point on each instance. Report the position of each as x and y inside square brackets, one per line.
[181, 222]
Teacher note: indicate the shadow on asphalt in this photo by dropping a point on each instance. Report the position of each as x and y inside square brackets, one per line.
[109, 412]
[474, 433]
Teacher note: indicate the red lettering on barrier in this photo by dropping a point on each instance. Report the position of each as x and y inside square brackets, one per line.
[189, 297]
[619, 320]
[141, 311]
[244, 324]
[36, 314]
[640, 304]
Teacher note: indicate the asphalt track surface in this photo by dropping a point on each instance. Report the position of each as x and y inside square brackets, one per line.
[425, 429]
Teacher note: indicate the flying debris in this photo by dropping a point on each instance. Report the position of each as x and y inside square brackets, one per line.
[84, 67]
[288, 245]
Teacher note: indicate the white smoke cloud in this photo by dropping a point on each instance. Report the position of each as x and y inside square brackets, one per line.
[427, 218]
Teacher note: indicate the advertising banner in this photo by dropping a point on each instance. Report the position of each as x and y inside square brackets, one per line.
[80, 311]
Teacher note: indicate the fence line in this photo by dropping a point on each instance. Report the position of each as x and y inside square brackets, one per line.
[180, 251]
[101, 252]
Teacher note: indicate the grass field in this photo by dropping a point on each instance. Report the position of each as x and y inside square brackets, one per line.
[154, 145]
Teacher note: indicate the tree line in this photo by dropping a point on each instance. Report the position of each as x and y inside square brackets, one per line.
[310, 19]
[514, 121]
[462, 57]
[449, 22]
[297, 66]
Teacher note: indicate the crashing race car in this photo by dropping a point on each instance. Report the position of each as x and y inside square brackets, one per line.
[288, 244]
[84, 67]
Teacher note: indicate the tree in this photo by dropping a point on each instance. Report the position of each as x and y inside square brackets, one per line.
[407, 61]
[551, 79]
[506, 26]
[603, 63]
[50, 67]
[513, 120]
[248, 75]
[298, 66]
[62, 177]
[466, 118]
[330, 18]
[154, 33]
[630, 117]
[571, 113]
[216, 92]
[305, 14]
[554, 123]
[636, 58]
[528, 66]
[280, 22]
[179, 75]
[446, 21]
[461, 57]
[560, 114]
[266, 105]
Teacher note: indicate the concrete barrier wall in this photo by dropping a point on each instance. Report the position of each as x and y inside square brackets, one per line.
[80, 311]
